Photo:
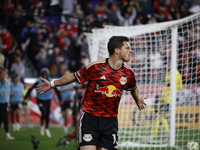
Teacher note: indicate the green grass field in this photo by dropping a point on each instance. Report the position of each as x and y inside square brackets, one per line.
[23, 140]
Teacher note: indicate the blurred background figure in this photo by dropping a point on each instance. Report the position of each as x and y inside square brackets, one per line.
[162, 106]
[4, 96]
[67, 93]
[44, 102]
[16, 96]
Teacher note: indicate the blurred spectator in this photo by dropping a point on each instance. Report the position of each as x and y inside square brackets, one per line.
[19, 19]
[78, 10]
[145, 9]
[100, 9]
[138, 21]
[87, 8]
[26, 31]
[9, 9]
[194, 7]
[56, 61]
[128, 17]
[6, 37]
[83, 43]
[62, 34]
[55, 8]
[112, 15]
[51, 42]
[152, 19]
[41, 59]
[156, 64]
[2, 59]
[67, 7]
[37, 40]
[18, 68]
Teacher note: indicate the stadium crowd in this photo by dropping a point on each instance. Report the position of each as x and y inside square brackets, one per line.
[49, 33]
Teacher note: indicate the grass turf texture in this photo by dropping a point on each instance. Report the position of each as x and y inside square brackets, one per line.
[23, 140]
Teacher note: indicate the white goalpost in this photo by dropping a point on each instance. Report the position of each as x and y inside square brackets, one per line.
[166, 62]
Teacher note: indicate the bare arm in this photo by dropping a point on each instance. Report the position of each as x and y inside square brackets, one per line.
[139, 100]
[45, 86]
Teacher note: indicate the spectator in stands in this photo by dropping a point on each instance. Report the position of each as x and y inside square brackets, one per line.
[78, 10]
[128, 17]
[2, 58]
[16, 96]
[87, 8]
[145, 9]
[83, 43]
[4, 99]
[100, 9]
[44, 102]
[6, 37]
[19, 20]
[67, 7]
[18, 68]
[41, 59]
[155, 65]
[8, 9]
[152, 19]
[51, 42]
[57, 62]
[111, 14]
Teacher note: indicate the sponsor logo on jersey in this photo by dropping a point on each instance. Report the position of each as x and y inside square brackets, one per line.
[87, 137]
[109, 91]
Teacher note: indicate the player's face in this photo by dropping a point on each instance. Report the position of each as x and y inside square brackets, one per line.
[125, 52]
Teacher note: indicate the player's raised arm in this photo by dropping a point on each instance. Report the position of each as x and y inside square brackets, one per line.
[47, 85]
[139, 100]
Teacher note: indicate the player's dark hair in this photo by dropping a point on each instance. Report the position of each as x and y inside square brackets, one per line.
[116, 42]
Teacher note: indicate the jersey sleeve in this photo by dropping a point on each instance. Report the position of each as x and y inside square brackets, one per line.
[132, 82]
[83, 75]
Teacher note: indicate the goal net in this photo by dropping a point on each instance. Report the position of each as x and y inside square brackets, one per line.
[166, 62]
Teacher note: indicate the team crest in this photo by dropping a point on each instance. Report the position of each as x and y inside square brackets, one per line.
[123, 80]
[87, 137]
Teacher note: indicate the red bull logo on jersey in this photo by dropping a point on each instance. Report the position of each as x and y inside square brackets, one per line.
[109, 91]
[123, 80]
[87, 137]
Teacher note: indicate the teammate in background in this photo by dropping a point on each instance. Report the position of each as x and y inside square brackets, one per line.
[16, 96]
[162, 105]
[106, 80]
[44, 102]
[4, 97]
[67, 93]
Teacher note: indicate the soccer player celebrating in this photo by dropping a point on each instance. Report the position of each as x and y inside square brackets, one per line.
[107, 79]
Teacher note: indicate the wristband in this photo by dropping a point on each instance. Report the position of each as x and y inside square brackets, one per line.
[52, 83]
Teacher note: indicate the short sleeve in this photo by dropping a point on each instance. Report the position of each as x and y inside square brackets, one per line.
[83, 75]
[132, 82]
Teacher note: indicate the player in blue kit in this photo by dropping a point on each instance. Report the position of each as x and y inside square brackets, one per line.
[16, 96]
[4, 97]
